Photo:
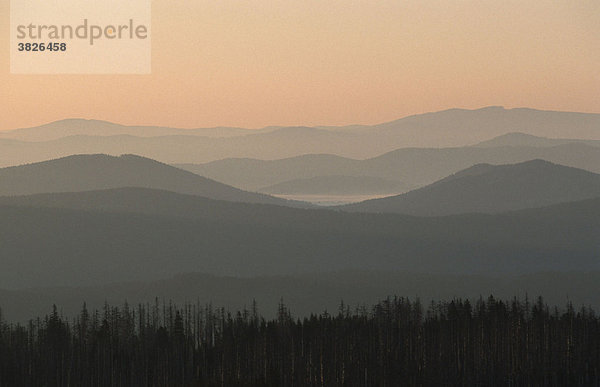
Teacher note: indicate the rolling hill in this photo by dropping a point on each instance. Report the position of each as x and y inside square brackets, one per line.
[253, 174]
[82, 127]
[449, 128]
[522, 139]
[486, 188]
[135, 234]
[444, 128]
[412, 166]
[94, 172]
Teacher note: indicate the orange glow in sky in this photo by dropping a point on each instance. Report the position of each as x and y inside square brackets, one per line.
[254, 63]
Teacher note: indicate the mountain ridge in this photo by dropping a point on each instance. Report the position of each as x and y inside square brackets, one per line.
[413, 166]
[524, 139]
[91, 172]
[450, 128]
[132, 234]
[490, 188]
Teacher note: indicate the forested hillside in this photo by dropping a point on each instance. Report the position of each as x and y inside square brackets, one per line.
[98, 237]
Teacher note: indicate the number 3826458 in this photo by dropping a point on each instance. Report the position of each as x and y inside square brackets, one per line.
[42, 47]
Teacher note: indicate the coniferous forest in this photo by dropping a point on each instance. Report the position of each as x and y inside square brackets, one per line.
[396, 342]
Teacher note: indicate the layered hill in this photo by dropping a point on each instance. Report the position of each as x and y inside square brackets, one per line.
[96, 172]
[486, 188]
[523, 139]
[97, 237]
[411, 166]
[82, 127]
[449, 128]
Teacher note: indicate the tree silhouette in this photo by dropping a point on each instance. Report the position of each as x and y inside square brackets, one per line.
[396, 342]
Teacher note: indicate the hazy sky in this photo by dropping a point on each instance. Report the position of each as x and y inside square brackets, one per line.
[254, 63]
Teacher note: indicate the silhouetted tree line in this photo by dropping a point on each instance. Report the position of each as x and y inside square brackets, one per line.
[397, 342]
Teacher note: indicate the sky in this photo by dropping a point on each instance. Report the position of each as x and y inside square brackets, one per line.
[255, 63]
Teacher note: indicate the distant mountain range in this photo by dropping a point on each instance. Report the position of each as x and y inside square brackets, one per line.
[82, 127]
[78, 222]
[449, 128]
[411, 166]
[96, 237]
[522, 139]
[94, 172]
[486, 188]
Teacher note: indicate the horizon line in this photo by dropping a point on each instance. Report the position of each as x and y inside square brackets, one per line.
[487, 107]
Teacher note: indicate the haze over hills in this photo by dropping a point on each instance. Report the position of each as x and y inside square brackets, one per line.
[93, 172]
[137, 200]
[90, 220]
[522, 139]
[442, 129]
[486, 188]
[449, 128]
[256, 173]
[411, 166]
[336, 185]
[83, 127]
[92, 238]
[177, 148]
